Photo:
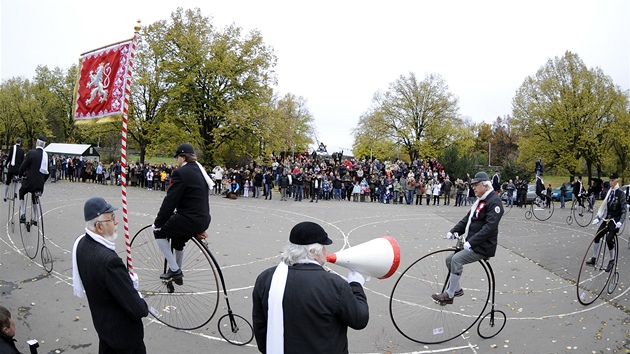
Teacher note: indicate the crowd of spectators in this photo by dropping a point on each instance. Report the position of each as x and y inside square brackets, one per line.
[315, 177]
[299, 177]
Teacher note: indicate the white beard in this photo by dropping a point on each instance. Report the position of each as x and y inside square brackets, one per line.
[112, 237]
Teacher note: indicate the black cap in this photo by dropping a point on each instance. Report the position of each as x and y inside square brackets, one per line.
[18, 140]
[42, 138]
[307, 232]
[184, 149]
[614, 175]
[96, 206]
[480, 177]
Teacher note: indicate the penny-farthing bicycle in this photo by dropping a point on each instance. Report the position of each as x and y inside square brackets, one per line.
[421, 319]
[592, 278]
[541, 209]
[11, 197]
[581, 214]
[32, 229]
[192, 301]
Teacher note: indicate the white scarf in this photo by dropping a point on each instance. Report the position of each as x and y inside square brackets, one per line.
[474, 208]
[209, 181]
[77, 284]
[603, 209]
[275, 313]
[13, 156]
[43, 166]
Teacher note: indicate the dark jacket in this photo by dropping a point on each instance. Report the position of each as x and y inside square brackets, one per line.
[116, 307]
[188, 194]
[7, 345]
[30, 168]
[19, 158]
[484, 226]
[318, 308]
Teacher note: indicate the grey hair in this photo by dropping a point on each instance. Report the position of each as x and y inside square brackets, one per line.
[293, 253]
[91, 224]
[488, 184]
[40, 143]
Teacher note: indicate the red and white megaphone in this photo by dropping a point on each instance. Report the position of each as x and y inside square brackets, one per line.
[379, 257]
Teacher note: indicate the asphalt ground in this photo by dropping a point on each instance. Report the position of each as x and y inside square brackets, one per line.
[536, 266]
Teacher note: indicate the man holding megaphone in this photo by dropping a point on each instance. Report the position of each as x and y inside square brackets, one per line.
[480, 227]
[299, 307]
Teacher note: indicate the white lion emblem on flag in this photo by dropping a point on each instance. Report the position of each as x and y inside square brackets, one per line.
[99, 81]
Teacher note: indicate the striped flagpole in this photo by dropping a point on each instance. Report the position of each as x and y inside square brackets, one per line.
[123, 146]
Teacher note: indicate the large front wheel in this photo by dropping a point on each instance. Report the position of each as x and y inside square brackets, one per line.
[544, 210]
[30, 228]
[186, 303]
[593, 278]
[421, 319]
[582, 215]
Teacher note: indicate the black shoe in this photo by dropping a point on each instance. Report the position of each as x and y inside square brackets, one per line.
[610, 266]
[22, 219]
[591, 262]
[581, 215]
[442, 298]
[34, 222]
[170, 275]
[459, 293]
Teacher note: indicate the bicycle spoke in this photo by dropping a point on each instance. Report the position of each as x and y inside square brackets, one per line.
[421, 319]
[191, 303]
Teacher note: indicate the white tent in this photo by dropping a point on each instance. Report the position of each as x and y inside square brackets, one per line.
[85, 150]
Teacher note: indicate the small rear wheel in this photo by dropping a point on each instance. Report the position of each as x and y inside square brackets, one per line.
[47, 259]
[235, 329]
[491, 324]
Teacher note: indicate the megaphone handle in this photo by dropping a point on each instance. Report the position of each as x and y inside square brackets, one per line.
[460, 241]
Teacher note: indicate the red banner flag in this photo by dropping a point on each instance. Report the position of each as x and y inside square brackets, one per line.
[100, 91]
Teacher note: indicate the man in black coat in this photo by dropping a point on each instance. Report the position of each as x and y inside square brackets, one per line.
[35, 169]
[480, 226]
[615, 209]
[299, 307]
[117, 308]
[15, 159]
[188, 195]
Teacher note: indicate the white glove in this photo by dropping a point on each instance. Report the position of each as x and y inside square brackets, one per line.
[596, 221]
[354, 276]
[155, 228]
[618, 224]
[134, 280]
[450, 235]
[467, 246]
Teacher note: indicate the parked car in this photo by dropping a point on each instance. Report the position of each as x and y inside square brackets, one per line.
[555, 195]
[531, 194]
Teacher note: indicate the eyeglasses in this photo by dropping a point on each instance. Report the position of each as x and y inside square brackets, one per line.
[112, 219]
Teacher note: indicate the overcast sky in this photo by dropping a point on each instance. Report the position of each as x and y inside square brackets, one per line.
[337, 54]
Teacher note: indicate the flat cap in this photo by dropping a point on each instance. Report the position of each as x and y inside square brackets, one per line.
[480, 177]
[307, 232]
[96, 206]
